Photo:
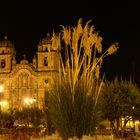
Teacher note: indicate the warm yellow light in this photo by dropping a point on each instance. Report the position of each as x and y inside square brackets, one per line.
[29, 100]
[4, 103]
[1, 88]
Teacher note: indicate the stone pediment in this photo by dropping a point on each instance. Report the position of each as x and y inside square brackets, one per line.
[21, 67]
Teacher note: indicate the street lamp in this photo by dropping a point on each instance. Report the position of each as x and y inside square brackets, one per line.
[1, 91]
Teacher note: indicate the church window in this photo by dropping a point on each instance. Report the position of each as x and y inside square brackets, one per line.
[2, 51]
[46, 81]
[3, 63]
[45, 61]
[46, 49]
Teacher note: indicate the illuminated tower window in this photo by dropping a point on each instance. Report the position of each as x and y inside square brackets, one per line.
[3, 63]
[45, 61]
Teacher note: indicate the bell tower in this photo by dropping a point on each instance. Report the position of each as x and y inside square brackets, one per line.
[7, 55]
[47, 57]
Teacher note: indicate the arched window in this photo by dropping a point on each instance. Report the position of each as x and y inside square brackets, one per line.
[3, 63]
[46, 49]
[45, 61]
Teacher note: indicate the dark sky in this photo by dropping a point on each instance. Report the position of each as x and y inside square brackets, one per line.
[25, 22]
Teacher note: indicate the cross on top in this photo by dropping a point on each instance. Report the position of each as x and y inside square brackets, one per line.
[24, 56]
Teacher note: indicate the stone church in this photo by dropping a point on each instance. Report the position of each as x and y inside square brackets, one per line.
[24, 84]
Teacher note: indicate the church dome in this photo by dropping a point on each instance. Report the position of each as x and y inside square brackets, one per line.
[48, 44]
[6, 46]
[6, 43]
[24, 60]
[45, 44]
[46, 40]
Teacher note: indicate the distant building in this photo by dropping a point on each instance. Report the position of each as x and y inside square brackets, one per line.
[24, 84]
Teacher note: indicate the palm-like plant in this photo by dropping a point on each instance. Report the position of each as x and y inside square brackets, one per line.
[73, 102]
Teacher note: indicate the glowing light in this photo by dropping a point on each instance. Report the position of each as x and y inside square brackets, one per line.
[133, 107]
[4, 103]
[1, 88]
[29, 101]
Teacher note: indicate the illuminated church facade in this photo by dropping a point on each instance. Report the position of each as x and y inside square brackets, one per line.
[24, 84]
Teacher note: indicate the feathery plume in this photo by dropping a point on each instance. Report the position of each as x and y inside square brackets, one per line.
[79, 27]
[66, 34]
[98, 44]
[113, 48]
[55, 41]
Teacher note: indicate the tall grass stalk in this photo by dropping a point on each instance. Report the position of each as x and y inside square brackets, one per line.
[73, 102]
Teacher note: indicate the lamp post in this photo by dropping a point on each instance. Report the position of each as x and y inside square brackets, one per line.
[1, 91]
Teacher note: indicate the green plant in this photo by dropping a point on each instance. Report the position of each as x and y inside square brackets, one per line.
[73, 101]
[121, 100]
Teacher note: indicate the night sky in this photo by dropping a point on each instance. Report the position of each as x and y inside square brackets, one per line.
[25, 22]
